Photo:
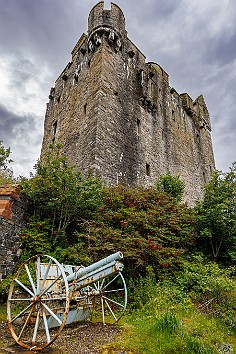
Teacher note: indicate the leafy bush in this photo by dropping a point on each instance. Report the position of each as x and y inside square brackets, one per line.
[213, 289]
[4, 288]
[216, 219]
[6, 174]
[4, 156]
[145, 224]
[171, 185]
[61, 195]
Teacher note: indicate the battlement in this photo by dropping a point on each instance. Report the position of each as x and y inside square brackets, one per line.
[113, 18]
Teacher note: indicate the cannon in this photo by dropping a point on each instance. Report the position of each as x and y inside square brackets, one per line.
[46, 295]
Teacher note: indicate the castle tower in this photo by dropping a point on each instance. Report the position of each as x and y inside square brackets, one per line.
[117, 117]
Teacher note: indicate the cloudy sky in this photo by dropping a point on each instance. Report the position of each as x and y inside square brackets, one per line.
[193, 40]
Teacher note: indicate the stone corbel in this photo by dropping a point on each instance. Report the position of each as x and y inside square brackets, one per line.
[111, 36]
[91, 46]
[97, 39]
[118, 44]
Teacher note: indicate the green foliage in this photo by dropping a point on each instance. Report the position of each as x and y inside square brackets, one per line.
[145, 224]
[142, 290]
[4, 288]
[217, 217]
[4, 156]
[6, 175]
[170, 323]
[60, 194]
[36, 238]
[213, 289]
[167, 323]
[171, 185]
[201, 276]
[194, 345]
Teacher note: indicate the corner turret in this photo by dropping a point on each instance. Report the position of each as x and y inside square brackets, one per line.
[113, 19]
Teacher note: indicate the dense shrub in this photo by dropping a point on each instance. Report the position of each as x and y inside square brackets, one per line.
[145, 224]
[217, 218]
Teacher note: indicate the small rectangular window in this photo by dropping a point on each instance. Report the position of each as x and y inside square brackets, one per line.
[173, 115]
[204, 177]
[85, 109]
[138, 126]
[148, 172]
[54, 131]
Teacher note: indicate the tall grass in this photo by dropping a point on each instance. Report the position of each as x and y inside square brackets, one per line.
[170, 323]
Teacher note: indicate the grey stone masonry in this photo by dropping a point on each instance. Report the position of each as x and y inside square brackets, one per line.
[13, 211]
[117, 117]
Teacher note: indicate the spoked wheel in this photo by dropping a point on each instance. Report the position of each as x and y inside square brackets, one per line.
[110, 299]
[38, 302]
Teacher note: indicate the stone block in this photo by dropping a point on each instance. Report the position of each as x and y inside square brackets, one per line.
[12, 191]
[5, 209]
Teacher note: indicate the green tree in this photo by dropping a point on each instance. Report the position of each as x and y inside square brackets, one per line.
[60, 194]
[4, 156]
[6, 175]
[217, 216]
[171, 185]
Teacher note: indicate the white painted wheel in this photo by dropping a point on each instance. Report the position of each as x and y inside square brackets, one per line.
[109, 299]
[38, 302]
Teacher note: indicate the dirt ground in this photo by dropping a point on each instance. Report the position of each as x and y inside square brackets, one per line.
[75, 339]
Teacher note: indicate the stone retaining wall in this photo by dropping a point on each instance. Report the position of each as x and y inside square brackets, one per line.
[13, 208]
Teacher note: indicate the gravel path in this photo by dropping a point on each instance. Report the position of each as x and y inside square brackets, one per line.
[75, 339]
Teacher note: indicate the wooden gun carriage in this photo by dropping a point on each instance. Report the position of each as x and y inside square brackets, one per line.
[45, 295]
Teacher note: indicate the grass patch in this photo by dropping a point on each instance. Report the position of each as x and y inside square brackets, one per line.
[171, 324]
[3, 312]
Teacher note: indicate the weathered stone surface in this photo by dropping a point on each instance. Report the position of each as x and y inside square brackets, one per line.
[117, 116]
[5, 209]
[12, 191]
[13, 207]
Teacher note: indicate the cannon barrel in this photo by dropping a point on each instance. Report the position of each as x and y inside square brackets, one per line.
[86, 270]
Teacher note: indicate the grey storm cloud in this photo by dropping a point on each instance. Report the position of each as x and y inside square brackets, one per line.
[222, 50]
[194, 41]
[13, 125]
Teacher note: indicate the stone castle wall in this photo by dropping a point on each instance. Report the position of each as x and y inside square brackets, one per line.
[13, 207]
[117, 116]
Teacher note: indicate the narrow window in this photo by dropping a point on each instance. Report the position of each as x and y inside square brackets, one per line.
[204, 177]
[54, 130]
[138, 126]
[148, 172]
[173, 115]
[85, 109]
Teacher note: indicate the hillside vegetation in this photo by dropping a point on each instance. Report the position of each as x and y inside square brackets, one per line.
[179, 261]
